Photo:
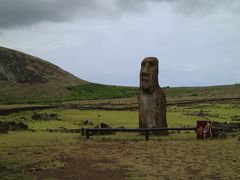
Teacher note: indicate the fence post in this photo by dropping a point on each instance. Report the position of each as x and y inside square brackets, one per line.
[146, 135]
[82, 130]
[87, 133]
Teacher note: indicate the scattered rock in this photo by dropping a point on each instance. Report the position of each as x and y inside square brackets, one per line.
[54, 116]
[72, 130]
[222, 130]
[45, 117]
[32, 169]
[194, 94]
[222, 135]
[38, 169]
[63, 130]
[35, 169]
[226, 126]
[12, 126]
[200, 113]
[22, 126]
[172, 132]
[3, 168]
[23, 118]
[121, 127]
[86, 123]
[3, 130]
[234, 134]
[103, 125]
[32, 130]
[54, 130]
[235, 118]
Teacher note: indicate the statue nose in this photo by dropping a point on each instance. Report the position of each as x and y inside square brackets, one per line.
[145, 69]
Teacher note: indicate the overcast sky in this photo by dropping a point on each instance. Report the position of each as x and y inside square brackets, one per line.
[196, 41]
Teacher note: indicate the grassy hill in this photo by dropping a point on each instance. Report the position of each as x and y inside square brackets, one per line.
[23, 76]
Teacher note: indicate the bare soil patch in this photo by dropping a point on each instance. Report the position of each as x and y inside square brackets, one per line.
[83, 168]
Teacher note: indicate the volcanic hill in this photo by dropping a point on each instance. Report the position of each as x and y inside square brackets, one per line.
[26, 76]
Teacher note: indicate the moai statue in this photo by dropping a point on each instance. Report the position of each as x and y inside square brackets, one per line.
[152, 99]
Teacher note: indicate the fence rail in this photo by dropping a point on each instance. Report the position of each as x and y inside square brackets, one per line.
[86, 131]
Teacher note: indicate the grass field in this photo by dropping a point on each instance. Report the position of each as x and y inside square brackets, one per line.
[41, 154]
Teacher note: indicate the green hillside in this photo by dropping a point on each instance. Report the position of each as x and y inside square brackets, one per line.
[100, 91]
[23, 76]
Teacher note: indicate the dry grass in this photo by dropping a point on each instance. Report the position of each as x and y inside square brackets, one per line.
[177, 157]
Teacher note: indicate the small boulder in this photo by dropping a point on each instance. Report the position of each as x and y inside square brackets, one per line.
[222, 135]
[3, 130]
[86, 123]
[103, 125]
[45, 117]
[22, 126]
[201, 113]
[235, 118]
[12, 126]
[121, 127]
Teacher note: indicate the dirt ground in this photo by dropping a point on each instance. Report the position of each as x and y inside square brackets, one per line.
[121, 156]
[180, 159]
[82, 169]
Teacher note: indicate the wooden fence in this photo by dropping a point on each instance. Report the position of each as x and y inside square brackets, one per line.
[145, 131]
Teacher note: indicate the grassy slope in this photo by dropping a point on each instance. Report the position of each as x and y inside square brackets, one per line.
[54, 86]
[62, 92]
[99, 91]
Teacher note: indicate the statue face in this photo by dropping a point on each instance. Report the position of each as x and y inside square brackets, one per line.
[149, 73]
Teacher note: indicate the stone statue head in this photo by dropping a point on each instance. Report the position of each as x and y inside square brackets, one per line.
[149, 73]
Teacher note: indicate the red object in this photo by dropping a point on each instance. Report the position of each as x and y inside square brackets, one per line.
[204, 130]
